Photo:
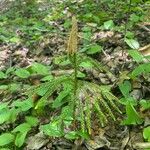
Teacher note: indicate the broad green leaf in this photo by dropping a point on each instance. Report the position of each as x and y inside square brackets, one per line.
[32, 121]
[4, 115]
[143, 68]
[145, 104]
[15, 40]
[129, 35]
[20, 139]
[65, 62]
[10, 70]
[24, 127]
[6, 138]
[81, 75]
[132, 43]
[86, 64]
[40, 69]
[3, 105]
[84, 135]
[13, 114]
[134, 18]
[67, 113]
[52, 129]
[14, 87]
[22, 73]
[59, 101]
[71, 135]
[47, 78]
[125, 88]
[93, 49]
[2, 75]
[137, 56]
[23, 105]
[133, 117]
[109, 24]
[128, 100]
[4, 87]
[146, 133]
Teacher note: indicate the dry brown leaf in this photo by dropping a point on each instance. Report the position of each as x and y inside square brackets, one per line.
[145, 50]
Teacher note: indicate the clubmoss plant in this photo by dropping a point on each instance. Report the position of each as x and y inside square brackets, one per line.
[77, 98]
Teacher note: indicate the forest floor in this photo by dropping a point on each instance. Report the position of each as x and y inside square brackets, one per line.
[114, 55]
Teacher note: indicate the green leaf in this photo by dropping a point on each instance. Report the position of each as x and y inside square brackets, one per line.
[2, 75]
[23, 105]
[47, 78]
[125, 88]
[84, 135]
[6, 138]
[22, 73]
[10, 70]
[32, 121]
[93, 49]
[40, 69]
[20, 139]
[67, 113]
[4, 87]
[109, 24]
[146, 133]
[71, 135]
[133, 117]
[134, 18]
[52, 129]
[132, 43]
[4, 115]
[143, 68]
[137, 56]
[15, 40]
[86, 64]
[81, 75]
[129, 35]
[59, 101]
[128, 100]
[13, 114]
[3, 105]
[145, 104]
[24, 127]
[14, 87]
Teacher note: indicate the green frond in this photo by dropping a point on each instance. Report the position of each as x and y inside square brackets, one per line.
[62, 97]
[105, 100]
[82, 121]
[99, 66]
[88, 114]
[47, 89]
[106, 107]
[102, 117]
[110, 97]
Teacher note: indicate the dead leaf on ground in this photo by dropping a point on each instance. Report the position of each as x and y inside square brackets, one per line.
[37, 141]
[145, 50]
